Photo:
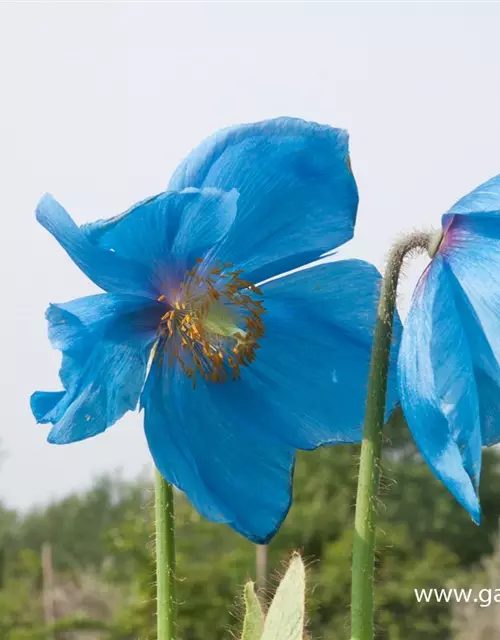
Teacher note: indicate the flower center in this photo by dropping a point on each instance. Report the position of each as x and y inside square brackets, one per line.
[214, 323]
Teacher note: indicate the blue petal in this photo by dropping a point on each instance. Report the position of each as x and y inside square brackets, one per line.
[43, 404]
[488, 392]
[110, 272]
[298, 197]
[313, 362]
[106, 340]
[485, 198]
[167, 233]
[472, 252]
[437, 388]
[212, 443]
[204, 223]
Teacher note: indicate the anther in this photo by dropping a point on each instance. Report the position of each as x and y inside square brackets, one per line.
[203, 329]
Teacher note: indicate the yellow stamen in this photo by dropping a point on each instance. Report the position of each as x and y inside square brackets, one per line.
[205, 322]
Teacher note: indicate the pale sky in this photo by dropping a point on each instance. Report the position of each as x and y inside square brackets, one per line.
[100, 101]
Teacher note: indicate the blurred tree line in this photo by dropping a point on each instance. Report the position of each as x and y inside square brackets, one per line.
[102, 585]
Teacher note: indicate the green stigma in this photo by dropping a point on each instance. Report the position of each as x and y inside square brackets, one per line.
[221, 321]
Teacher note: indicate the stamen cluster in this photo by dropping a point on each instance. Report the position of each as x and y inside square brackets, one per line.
[201, 331]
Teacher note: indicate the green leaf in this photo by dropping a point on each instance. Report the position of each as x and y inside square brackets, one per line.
[254, 617]
[285, 618]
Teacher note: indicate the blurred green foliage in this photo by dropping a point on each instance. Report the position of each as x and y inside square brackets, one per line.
[104, 583]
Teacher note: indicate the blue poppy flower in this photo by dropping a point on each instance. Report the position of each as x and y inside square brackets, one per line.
[233, 377]
[449, 362]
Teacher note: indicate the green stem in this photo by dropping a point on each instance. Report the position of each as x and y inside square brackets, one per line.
[363, 555]
[261, 562]
[165, 559]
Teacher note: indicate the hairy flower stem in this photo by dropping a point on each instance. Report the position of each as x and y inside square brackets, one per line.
[261, 562]
[363, 555]
[165, 559]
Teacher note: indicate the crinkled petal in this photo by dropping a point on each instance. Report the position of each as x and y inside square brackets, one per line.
[488, 391]
[105, 340]
[472, 252]
[111, 272]
[43, 404]
[212, 443]
[230, 446]
[485, 198]
[72, 324]
[204, 223]
[298, 197]
[437, 387]
[313, 362]
[169, 232]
